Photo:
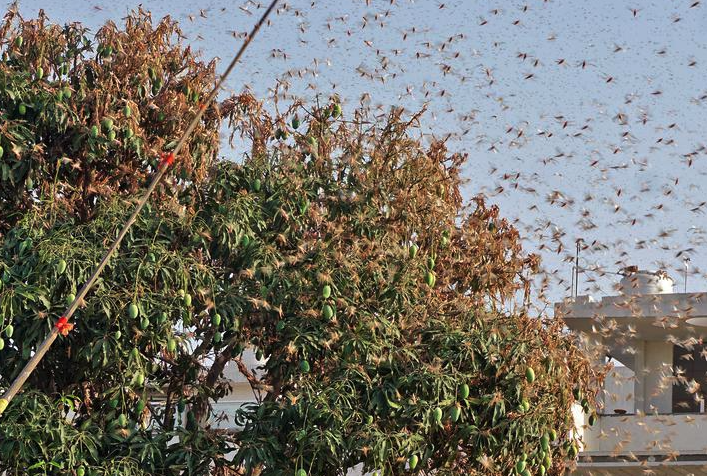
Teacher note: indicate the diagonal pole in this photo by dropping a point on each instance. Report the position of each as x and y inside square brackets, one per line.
[166, 161]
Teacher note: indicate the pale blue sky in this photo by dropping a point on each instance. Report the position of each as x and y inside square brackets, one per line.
[628, 176]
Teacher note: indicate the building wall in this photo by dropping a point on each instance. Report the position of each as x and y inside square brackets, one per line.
[658, 361]
[619, 389]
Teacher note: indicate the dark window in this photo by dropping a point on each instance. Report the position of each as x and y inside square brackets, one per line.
[692, 365]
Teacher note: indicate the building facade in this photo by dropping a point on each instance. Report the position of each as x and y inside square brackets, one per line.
[652, 418]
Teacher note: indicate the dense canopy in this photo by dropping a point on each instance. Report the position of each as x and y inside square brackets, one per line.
[337, 246]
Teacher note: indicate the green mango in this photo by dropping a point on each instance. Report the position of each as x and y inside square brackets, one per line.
[171, 345]
[327, 312]
[577, 392]
[9, 330]
[431, 262]
[144, 323]
[304, 366]
[573, 451]
[67, 92]
[122, 420]
[140, 406]
[60, 266]
[216, 319]
[520, 465]
[430, 279]
[111, 136]
[256, 185]
[553, 435]
[412, 462]
[22, 109]
[245, 241]
[80, 471]
[2, 343]
[107, 123]
[127, 112]
[70, 298]
[455, 413]
[464, 391]
[336, 112]
[187, 300]
[113, 403]
[40, 72]
[295, 122]
[218, 337]
[301, 472]
[437, 415]
[2, 151]
[133, 311]
[530, 375]
[326, 291]
[94, 131]
[412, 251]
[117, 335]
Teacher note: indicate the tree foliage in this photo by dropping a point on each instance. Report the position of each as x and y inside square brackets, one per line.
[339, 248]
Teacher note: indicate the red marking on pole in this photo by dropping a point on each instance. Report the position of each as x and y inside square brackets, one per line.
[167, 159]
[64, 326]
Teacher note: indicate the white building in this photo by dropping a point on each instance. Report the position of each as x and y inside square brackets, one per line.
[241, 391]
[653, 420]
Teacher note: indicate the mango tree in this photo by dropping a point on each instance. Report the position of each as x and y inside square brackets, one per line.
[338, 247]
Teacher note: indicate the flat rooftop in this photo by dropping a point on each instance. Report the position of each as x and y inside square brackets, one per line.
[648, 316]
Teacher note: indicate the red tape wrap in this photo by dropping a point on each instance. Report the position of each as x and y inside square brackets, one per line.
[167, 159]
[64, 326]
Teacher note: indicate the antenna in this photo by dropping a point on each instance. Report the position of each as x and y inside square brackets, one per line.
[576, 268]
[686, 262]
